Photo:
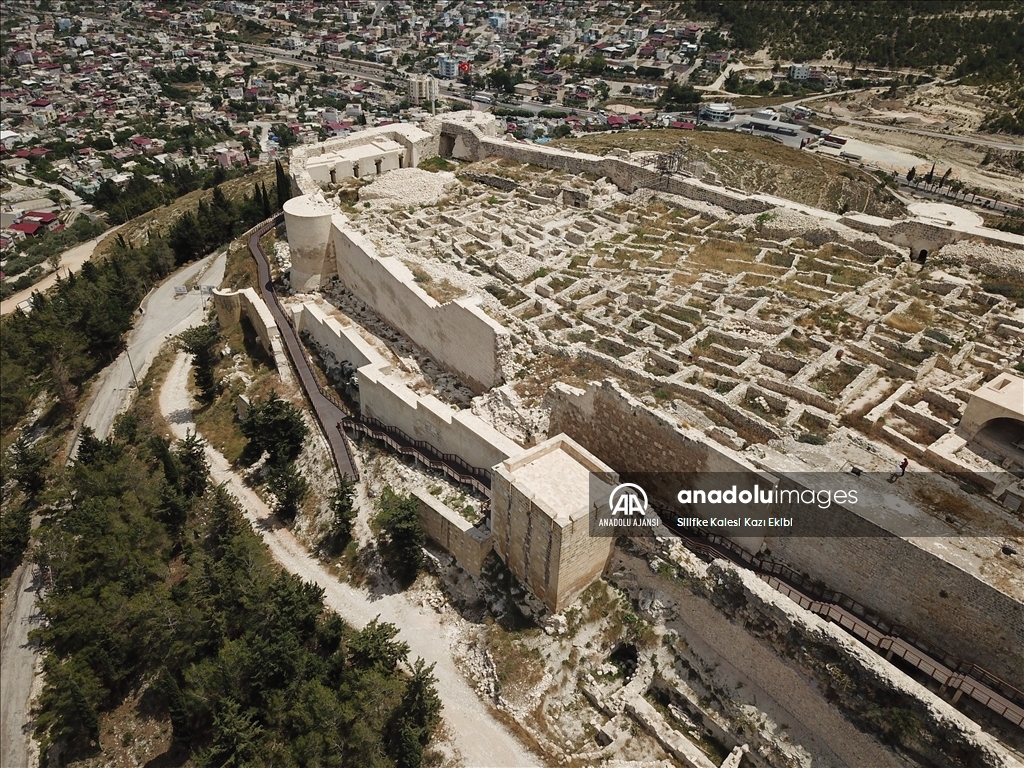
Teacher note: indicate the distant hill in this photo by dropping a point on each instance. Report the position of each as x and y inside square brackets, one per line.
[981, 39]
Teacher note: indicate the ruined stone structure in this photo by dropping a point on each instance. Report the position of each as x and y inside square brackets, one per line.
[932, 596]
[1001, 398]
[751, 320]
[231, 306]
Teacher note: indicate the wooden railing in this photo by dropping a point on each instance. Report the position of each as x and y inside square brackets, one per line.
[885, 637]
[452, 465]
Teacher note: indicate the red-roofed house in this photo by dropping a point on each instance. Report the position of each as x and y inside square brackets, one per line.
[43, 219]
[26, 228]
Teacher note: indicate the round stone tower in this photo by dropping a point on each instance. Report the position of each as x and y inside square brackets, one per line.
[307, 219]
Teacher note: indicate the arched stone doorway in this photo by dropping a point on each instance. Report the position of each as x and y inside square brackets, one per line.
[999, 440]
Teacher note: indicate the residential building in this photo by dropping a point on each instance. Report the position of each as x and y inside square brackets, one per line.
[422, 88]
[799, 71]
[447, 67]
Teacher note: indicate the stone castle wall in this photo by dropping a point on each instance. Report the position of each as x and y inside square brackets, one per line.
[458, 335]
[626, 175]
[943, 604]
[230, 306]
[385, 397]
[555, 558]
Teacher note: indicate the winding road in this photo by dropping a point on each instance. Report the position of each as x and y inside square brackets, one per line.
[166, 315]
[480, 739]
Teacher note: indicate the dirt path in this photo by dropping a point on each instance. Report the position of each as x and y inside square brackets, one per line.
[70, 261]
[481, 740]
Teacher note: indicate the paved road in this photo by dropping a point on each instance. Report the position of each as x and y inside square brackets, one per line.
[166, 315]
[70, 261]
[19, 664]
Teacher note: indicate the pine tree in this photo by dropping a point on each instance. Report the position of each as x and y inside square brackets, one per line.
[417, 716]
[274, 426]
[400, 535]
[257, 197]
[29, 465]
[195, 470]
[290, 488]
[267, 210]
[344, 510]
[283, 185]
[199, 341]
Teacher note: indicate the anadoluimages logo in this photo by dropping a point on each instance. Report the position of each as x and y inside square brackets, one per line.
[628, 499]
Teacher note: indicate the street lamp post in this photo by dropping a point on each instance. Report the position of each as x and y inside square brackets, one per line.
[134, 377]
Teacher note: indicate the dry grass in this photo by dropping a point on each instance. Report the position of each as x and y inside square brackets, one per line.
[218, 421]
[727, 256]
[798, 290]
[240, 268]
[548, 367]
[913, 319]
[832, 381]
[517, 666]
[147, 405]
[757, 164]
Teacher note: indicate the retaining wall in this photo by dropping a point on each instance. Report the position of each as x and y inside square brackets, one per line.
[383, 397]
[458, 335]
[626, 175]
[231, 305]
[468, 544]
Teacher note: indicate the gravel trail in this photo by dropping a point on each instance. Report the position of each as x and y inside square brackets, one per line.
[480, 739]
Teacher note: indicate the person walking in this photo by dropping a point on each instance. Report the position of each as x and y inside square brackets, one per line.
[900, 471]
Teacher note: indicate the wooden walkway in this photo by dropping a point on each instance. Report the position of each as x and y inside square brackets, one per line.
[960, 678]
[333, 416]
[329, 411]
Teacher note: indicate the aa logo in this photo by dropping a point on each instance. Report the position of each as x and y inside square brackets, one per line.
[628, 499]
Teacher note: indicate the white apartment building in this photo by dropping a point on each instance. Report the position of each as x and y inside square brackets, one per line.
[422, 89]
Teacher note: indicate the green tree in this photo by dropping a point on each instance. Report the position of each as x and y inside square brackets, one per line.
[265, 201]
[199, 341]
[290, 488]
[28, 466]
[344, 508]
[236, 737]
[275, 427]
[375, 648]
[194, 469]
[400, 536]
[678, 97]
[15, 531]
[416, 718]
[283, 185]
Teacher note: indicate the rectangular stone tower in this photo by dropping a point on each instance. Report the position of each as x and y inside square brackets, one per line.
[540, 518]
